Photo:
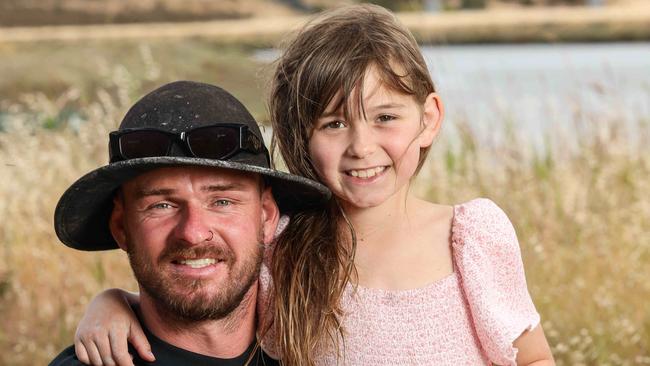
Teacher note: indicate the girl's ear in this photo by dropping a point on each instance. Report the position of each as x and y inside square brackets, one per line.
[116, 222]
[432, 114]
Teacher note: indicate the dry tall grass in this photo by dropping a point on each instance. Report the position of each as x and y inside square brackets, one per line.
[581, 211]
[44, 286]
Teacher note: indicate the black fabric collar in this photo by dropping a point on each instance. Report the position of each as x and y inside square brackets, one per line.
[167, 354]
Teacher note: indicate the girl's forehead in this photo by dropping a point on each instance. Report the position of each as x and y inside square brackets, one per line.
[372, 91]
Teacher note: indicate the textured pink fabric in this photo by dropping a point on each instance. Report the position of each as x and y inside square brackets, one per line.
[488, 259]
[470, 317]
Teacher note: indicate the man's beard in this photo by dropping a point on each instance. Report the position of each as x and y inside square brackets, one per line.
[187, 299]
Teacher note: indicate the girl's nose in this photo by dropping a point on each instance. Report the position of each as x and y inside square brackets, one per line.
[193, 228]
[362, 141]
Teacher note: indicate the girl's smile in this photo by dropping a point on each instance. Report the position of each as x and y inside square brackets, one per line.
[365, 177]
[366, 173]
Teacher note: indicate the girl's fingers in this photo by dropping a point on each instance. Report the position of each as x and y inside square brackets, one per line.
[120, 348]
[140, 343]
[80, 351]
[93, 353]
[104, 347]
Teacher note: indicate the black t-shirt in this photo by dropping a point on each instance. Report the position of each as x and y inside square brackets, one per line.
[169, 355]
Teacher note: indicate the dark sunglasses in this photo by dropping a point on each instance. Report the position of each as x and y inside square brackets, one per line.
[220, 142]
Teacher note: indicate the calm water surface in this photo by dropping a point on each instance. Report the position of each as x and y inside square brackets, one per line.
[540, 88]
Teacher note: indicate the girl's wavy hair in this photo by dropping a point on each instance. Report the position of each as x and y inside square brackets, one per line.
[313, 260]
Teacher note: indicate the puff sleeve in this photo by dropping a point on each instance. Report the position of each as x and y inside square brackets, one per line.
[488, 259]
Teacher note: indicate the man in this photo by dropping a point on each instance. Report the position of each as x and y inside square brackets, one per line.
[190, 196]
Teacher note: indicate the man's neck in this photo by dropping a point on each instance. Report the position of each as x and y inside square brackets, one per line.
[224, 338]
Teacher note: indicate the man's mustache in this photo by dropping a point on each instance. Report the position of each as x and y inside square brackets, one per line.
[178, 252]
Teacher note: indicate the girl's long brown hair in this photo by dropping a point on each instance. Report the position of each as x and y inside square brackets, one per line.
[313, 259]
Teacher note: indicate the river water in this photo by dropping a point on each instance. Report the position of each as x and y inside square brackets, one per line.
[541, 88]
[538, 89]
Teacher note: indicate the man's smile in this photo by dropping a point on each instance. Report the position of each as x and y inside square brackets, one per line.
[196, 263]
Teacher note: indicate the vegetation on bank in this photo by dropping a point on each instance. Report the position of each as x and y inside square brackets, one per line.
[136, 66]
[580, 208]
[260, 23]
[73, 12]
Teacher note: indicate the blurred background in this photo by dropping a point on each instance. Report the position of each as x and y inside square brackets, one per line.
[548, 113]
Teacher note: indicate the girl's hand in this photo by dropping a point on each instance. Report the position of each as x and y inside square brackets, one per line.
[108, 324]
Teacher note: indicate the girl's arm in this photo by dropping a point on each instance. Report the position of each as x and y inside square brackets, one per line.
[533, 348]
[107, 326]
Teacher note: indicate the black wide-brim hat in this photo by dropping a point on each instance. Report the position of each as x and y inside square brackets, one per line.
[81, 218]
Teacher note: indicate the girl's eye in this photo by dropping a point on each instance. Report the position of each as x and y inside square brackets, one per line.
[385, 118]
[334, 125]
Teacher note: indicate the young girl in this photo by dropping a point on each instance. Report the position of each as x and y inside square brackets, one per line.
[381, 277]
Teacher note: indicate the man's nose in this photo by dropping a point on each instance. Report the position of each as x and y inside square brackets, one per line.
[362, 141]
[193, 228]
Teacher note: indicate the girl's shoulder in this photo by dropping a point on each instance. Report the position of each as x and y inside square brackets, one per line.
[483, 221]
[479, 210]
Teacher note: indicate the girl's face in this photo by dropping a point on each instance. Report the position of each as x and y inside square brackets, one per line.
[368, 159]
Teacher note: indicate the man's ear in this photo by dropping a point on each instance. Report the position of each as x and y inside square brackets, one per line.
[116, 222]
[432, 113]
[270, 215]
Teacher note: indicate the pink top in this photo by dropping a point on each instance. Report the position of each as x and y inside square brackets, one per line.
[470, 317]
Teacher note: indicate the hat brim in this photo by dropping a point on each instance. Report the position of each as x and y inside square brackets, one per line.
[83, 212]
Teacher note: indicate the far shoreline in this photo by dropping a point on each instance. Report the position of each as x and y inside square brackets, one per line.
[523, 25]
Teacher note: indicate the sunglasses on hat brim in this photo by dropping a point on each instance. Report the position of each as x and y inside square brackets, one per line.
[218, 141]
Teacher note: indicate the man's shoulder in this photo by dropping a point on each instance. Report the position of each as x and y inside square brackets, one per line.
[66, 358]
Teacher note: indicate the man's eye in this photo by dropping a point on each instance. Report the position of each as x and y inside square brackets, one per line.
[222, 203]
[161, 206]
